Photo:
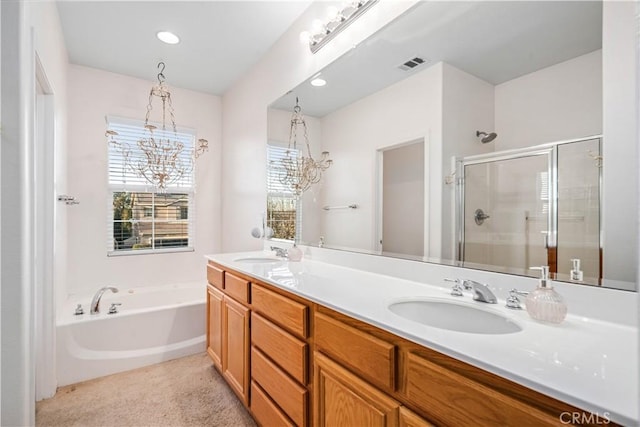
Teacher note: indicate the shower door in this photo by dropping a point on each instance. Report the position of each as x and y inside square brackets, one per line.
[506, 206]
[579, 179]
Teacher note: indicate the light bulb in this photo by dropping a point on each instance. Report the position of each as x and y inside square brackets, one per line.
[332, 13]
[305, 36]
[317, 26]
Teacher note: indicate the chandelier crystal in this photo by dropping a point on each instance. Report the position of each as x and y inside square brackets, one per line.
[162, 160]
[300, 172]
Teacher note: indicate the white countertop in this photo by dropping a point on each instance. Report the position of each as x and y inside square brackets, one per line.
[589, 363]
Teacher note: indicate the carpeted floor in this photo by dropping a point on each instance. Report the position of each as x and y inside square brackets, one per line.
[181, 392]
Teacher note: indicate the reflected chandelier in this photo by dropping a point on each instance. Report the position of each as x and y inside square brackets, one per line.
[161, 159]
[300, 172]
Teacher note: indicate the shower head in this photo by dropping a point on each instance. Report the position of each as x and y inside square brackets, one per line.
[486, 137]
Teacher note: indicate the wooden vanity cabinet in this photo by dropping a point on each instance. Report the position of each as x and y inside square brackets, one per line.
[430, 387]
[228, 331]
[296, 363]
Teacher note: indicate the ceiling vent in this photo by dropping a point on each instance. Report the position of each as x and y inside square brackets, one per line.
[413, 63]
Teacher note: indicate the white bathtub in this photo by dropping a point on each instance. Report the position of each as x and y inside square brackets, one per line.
[154, 324]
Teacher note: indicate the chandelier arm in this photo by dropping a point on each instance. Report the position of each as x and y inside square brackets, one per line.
[172, 113]
[306, 138]
[149, 108]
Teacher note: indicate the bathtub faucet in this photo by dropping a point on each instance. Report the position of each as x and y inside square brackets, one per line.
[95, 302]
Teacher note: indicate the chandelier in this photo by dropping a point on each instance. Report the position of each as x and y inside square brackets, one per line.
[160, 158]
[300, 172]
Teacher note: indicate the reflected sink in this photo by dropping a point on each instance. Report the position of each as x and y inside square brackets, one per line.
[454, 316]
[258, 259]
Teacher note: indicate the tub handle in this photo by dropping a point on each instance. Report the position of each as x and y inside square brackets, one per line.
[114, 307]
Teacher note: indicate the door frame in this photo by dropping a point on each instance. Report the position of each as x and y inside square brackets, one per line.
[43, 238]
[378, 196]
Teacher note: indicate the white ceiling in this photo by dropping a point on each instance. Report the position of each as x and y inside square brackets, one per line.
[220, 40]
[496, 41]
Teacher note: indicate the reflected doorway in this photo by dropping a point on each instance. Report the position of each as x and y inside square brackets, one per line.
[401, 210]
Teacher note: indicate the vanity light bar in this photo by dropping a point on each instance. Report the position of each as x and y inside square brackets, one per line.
[346, 16]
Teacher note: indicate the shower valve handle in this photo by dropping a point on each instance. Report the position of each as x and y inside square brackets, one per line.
[479, 216]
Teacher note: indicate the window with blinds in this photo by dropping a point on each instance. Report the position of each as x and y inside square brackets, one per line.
[281, 202]
[141, 221]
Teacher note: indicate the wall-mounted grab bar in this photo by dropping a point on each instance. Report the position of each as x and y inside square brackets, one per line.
[570, 218]
[328, 208]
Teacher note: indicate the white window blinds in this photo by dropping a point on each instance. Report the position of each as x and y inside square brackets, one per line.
[129, 132]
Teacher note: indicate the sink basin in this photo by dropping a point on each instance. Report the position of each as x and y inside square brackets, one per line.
[454, 316]
[258, 259]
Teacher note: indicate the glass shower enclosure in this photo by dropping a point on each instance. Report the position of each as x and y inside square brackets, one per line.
[525, 208]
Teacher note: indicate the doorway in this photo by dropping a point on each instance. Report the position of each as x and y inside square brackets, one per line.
[401, 210]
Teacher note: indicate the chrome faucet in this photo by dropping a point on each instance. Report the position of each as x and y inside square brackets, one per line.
[281, 252]
[481, 292]
[95, 302]
[513, 301]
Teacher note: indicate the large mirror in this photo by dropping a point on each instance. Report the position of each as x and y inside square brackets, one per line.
[473, 134]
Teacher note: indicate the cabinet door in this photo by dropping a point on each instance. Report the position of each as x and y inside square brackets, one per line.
[411, 419]
[343, 399]
[214, 325]
[235, 347]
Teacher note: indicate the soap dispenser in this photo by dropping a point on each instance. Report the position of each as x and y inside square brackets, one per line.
[544, 303]
[295, 253]
[576, 274]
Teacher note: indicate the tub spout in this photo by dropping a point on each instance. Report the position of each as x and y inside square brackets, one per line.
[95, 302]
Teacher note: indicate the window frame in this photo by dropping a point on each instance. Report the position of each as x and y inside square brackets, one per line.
[189, 191]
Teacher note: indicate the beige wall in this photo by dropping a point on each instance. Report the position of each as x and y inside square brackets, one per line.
[92, 95]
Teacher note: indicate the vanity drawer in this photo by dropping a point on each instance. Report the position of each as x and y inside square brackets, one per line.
[236, 287]
[265, 410]
[452, 399]
[291, 397]
[283, 348]
[291, 315]
[215, 276]
[373, 358]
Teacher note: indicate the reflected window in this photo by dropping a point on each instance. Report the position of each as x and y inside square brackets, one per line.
[282, 205]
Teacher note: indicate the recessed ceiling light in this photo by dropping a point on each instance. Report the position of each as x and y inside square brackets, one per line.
[168, 37]
[318, 82]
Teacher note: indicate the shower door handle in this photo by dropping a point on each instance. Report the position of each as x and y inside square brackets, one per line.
[546, 239]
